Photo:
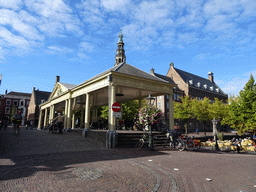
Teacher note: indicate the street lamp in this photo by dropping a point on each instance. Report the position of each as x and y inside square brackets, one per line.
[150, 136]
[214, 127]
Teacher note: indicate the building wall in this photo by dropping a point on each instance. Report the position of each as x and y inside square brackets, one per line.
[14, 101]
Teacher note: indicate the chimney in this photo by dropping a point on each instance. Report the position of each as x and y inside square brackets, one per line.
[6, 92]
[57, 79]
[172, 64]
[152, 71]
[34, 89]
[210, 76]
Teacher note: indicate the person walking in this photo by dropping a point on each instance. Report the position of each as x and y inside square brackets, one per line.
[60, 120]
[17, 120]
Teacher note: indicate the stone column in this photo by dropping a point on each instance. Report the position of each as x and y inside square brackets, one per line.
[69, 114]
[87, 112]
[45, 117]
[73, 121]
[40, 119]
[87, 116]
[66, 112]
[171, 117]
[82, 118]
[112, 99]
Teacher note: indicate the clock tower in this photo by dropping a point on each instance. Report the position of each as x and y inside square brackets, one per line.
[120, 56]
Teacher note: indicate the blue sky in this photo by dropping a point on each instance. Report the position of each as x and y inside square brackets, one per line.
[76, 39]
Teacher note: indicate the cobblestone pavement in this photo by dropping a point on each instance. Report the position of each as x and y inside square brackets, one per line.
[40, 161]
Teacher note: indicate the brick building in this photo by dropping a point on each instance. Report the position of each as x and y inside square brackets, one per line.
[37, 98]
[14, 100]
[188, 84]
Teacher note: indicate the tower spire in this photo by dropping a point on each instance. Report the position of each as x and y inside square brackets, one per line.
[120, 53]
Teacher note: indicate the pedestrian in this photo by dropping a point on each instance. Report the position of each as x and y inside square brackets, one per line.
[197, 131]
[17, 120]
[5, 122]
[60, 120]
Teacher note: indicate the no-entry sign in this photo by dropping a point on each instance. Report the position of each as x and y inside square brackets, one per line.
[116, 107]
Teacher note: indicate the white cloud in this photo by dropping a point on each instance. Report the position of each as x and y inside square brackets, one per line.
[13, 4]
[84, 46]
[59, 50]
[116, 5]
[13, 40]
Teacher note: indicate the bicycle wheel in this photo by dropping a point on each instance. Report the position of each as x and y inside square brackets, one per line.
[180, 145]
[139, 144]
[190, 145]
[172, 145]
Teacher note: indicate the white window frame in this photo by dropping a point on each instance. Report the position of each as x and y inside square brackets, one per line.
[6, 110]
[174, 96]
[9, 101]
[159, 105]
[23, 103]
[16, 101]
[42, 101]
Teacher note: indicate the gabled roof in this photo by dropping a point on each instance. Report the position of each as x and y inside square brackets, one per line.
[129, 70]
[20, 94]
[187, 77]
[41, 95]
[168, 79]
[68, 86]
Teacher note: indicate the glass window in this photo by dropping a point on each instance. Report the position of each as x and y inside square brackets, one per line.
[159, 105]
[15, 102]
[178, 97]
[174, 96]
[167, 96]
[167, 105]
[7, 110]
[8, 102]
[27, 103]
[22, 103]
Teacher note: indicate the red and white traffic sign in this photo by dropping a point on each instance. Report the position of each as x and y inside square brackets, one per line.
[116, 107]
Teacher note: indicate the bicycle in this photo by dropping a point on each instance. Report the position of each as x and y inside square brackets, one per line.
[189, 143]
[142, 141]
[175, 141]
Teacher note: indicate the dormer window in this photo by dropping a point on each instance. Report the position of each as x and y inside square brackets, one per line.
[205, 86]
[198, 84]
[191, 82]
[217, 90]
[42, 101]
[211, 88]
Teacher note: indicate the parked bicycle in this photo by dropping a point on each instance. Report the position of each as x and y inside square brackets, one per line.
[189, 143]
[144, 140]
[175, 141]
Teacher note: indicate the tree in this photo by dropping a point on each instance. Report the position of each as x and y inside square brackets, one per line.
[13, 111]
[242, 110]
[200, 110]
[183, 111]
[130, 110]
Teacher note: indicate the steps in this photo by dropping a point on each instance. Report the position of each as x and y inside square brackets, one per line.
[129, 140]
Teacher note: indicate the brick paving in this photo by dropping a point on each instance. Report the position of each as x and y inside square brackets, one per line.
[40, 161]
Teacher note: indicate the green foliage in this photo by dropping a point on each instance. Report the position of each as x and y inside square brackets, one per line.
[220, 135]
[130, 110]
[104, 112]
[13, 111]
[242, 109]
[200, 109]
[183, 111]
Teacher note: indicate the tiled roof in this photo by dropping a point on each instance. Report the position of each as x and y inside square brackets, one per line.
[68, 86]
[129, 70]
[19, 94]
[41, 95]
[165, 78]
[193, 81]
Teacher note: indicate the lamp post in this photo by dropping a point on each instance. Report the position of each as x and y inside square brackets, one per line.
[214, 127]
[150, 137]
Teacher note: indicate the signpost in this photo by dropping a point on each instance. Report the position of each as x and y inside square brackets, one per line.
[116, 108]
